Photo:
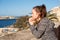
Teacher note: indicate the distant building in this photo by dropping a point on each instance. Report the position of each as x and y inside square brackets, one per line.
[7, 17]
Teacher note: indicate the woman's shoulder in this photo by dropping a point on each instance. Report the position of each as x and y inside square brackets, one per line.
[45, 19]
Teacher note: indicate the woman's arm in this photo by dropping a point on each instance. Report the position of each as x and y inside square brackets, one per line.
[39, 29]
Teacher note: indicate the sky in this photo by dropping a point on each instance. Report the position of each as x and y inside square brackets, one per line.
[24, 7]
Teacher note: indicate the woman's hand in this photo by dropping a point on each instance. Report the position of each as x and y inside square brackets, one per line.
[31, 21]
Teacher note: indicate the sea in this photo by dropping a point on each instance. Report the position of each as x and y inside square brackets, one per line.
[6, 22]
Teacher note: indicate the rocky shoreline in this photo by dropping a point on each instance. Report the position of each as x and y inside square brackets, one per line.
[20, 35]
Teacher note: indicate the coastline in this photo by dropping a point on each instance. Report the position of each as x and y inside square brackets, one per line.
[6, 31]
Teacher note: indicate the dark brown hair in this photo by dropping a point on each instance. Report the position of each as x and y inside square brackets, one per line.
[41, 9]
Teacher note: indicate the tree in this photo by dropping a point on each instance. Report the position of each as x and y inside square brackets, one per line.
[22, 22]
[52, 17]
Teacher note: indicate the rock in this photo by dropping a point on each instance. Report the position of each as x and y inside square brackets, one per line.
[20, 35]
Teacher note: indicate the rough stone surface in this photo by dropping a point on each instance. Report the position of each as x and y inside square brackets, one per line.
[21, 35]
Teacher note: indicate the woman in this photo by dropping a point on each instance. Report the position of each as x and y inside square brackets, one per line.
[40, 25]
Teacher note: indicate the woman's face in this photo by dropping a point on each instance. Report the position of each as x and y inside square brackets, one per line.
[35, 14]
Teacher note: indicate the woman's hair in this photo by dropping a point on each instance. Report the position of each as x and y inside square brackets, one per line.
[41, 9]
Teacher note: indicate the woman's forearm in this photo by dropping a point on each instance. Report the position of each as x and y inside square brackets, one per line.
[36, 32]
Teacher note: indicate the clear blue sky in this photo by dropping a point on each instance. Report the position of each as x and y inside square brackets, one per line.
[23, 7]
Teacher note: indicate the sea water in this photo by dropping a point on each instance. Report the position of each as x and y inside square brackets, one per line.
[6, 22]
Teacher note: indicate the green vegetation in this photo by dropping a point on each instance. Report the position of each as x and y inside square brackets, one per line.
[52, 16]
[22, 22]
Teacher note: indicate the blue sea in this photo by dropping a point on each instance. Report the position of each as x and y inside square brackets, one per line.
[6, 22]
